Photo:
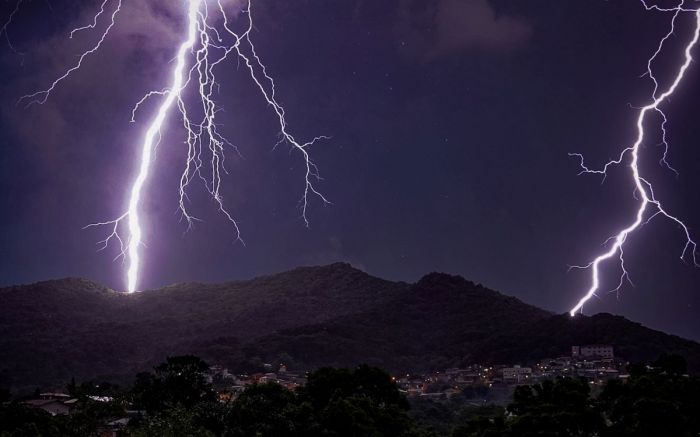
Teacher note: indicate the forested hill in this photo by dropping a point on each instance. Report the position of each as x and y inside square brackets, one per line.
[311, 316]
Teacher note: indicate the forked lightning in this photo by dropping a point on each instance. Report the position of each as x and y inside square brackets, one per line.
[650, 206]
[203, 48]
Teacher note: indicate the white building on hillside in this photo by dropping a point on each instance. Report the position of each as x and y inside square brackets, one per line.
[516, 374]
[592, 351]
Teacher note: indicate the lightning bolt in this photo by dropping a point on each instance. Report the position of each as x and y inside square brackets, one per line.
[649, 205]
[6, 24]
[203, 49]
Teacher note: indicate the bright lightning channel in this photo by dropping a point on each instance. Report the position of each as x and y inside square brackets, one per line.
[649, 206]
[204, 47]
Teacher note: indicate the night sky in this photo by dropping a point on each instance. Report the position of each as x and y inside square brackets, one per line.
[451, 121]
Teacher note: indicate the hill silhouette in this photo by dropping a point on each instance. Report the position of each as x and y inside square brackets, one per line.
[444, 321]
[307, 317]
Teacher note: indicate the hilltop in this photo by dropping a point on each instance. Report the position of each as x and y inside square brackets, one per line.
[308, 317]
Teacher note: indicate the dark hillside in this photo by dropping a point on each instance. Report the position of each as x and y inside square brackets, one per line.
[445, 321]
[309, 317]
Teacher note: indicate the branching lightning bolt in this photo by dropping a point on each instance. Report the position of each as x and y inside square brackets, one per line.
[40, 97]
[6, 25]
[202, 50]
[649, 205]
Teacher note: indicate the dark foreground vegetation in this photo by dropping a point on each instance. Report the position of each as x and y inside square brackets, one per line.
[176, 400]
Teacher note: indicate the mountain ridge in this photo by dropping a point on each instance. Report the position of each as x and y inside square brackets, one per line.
[307, 317]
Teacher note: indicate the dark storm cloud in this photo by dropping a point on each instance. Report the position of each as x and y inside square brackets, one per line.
[84, 124]
[142, 28]
[439, 28]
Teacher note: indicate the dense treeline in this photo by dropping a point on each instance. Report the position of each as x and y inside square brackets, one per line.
[658, 400]
[176, 400]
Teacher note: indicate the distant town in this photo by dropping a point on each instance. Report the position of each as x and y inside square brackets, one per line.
[493, 384]
[485, 384]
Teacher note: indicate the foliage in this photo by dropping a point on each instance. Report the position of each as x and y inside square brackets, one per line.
[441, 416]
[179, 382]
[557, 409]
[334, 402]
[18, 420]
[658, 400]
[174, 422]
[176, 400]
